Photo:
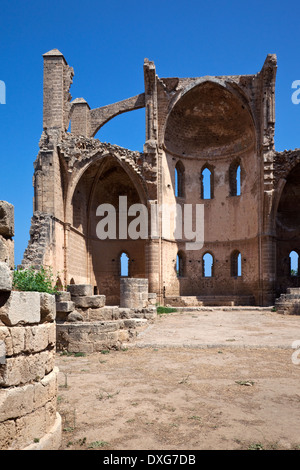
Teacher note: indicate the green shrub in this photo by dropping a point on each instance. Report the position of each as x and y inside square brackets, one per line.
[165, 309]
[37, 280]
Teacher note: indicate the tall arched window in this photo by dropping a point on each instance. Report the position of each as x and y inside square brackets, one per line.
[236, 264]
[179, 179]
[235, 178]
[207, 265]
[294, 263]
[124, 265]
[180, 264]
[207, 183]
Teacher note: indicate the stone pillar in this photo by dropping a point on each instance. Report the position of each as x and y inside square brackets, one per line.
[152, 265]
[80, 118]
[57, 81]
[133, 293]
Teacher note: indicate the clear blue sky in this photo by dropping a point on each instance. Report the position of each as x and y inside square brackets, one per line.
[106, 43]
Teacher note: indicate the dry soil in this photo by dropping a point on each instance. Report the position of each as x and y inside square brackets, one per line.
[212, 379]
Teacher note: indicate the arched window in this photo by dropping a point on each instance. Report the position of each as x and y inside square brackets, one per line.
[294, 263]
[207, 265]
[179, 179]
[235, 178]
[207, 185]
[59, 284]
[180, 264]
[236, 264]
[124, 265]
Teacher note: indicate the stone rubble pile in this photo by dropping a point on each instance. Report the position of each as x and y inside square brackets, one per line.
[86, 324]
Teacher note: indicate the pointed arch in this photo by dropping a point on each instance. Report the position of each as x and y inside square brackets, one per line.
[235, 174]
[207, 182]
[207, 265]
[180, 264]
[293, 263]
[236, 264]
[124, 264]
[179, 179]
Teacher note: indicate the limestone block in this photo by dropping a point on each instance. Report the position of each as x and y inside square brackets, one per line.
[21, 370]
[74, 317]
[103, 314]
[52, 335]
[7, 434]
[152, 298]
[21, 308]
[2, 352]
[51, 440]
[50, 409]
[48, 307]
[45, 390]
[7, 251]
[16, 401]
[94, 301]
[30, 427]
[80, 289]
[65, 307]
[36, 338]
[62, 296]
[7, 224]
[5, 277]
[14, 339]
[123, 335]
[4, 255]
[125, 312]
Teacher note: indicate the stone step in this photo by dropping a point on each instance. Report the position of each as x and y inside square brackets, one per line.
[292, 296]
[293, 290]
[96, 336]
[209, 300]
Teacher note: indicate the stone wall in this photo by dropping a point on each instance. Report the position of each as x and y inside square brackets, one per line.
[28, 376]
[289, 303]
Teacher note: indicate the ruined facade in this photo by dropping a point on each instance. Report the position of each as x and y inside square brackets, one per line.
[208, 141]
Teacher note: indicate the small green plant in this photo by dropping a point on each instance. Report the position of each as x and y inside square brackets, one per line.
[74, 354]
[248, 383]
[184, 380]
[97, 444]
[107, 395]
[68, 429]
[34, 280]
[196, 418]
[256, 446]
[36, 440]
[161, 309]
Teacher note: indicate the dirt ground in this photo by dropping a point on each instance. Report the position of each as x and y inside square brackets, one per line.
[190, 381]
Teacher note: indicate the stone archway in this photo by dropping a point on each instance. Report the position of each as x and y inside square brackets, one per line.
[103, 183]
[288, 230]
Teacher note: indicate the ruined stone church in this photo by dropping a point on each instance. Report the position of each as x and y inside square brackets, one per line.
[208, 140]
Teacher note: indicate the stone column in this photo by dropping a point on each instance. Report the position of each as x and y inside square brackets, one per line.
[133, 293]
